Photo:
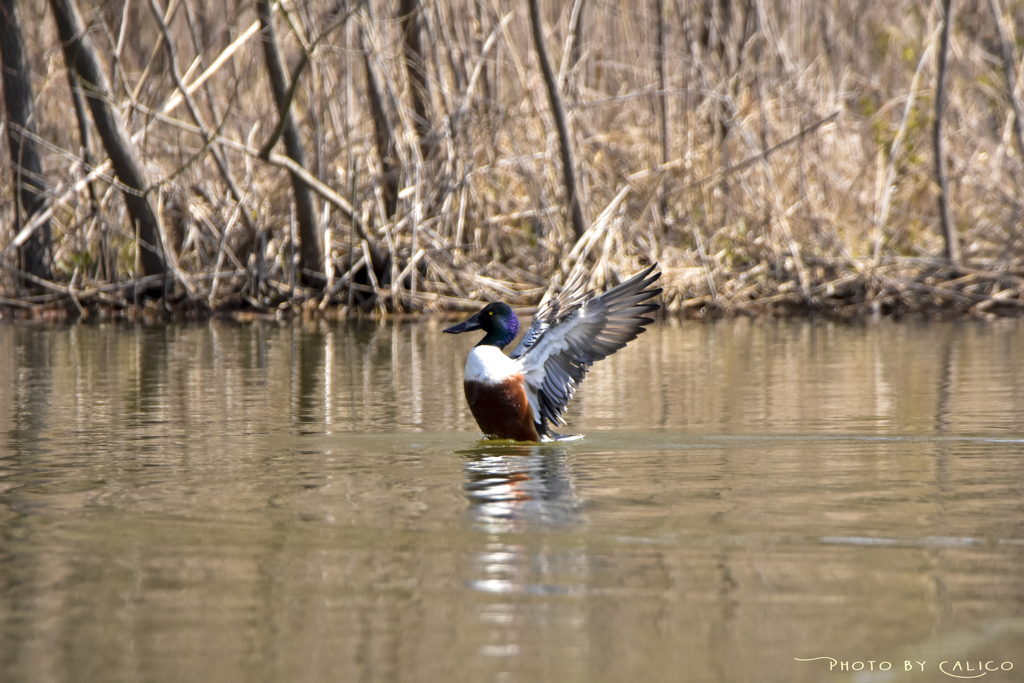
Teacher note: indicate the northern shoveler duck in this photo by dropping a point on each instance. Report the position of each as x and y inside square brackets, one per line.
[516, 396]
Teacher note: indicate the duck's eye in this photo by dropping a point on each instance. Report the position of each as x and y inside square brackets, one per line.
[490, 312]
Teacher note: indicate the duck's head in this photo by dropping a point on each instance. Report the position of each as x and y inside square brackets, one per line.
[498, 320]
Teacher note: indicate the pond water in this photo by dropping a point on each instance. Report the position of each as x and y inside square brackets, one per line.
[313, 503]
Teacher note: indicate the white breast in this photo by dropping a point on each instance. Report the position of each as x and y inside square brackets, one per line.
[488, 365]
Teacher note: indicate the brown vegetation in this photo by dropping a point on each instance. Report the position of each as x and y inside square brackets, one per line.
[773, 155]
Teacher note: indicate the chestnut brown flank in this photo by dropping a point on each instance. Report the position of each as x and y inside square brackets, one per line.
[502, 410]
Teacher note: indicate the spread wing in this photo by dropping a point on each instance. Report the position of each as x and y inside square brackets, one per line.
[572, 332]
[551, 311]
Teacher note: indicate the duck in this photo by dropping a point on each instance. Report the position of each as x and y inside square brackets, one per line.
[520, 396]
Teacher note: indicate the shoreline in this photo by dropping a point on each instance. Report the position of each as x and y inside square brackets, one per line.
[913, 288]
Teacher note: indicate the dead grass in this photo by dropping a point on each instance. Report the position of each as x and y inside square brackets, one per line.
[800, 176]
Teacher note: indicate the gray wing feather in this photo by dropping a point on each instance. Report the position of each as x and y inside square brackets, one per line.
[551, 311]
[572, 332]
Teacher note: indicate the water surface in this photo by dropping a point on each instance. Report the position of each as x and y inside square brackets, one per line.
[289, 503]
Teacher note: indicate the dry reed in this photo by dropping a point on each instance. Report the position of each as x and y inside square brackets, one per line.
[799, 172]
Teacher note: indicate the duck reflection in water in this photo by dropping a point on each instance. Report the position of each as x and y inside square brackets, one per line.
[514, 489]
[512, 486]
